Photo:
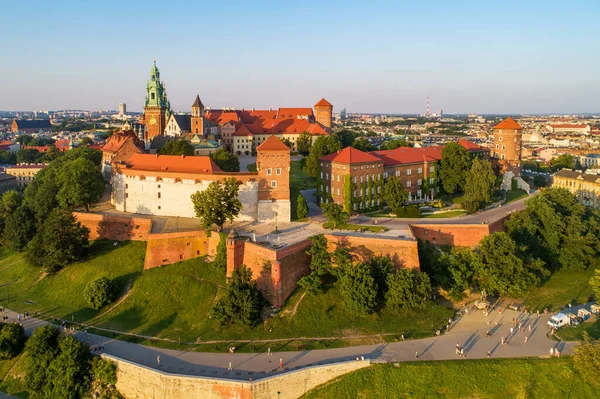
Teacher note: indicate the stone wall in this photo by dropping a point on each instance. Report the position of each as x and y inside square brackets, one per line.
[456, 235]
[141, 382]
[168, 248]
[107, 227]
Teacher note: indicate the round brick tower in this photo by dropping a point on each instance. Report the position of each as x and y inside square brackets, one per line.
[507, 146]
[324, 113]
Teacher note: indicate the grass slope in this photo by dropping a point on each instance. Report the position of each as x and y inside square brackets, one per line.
[482, 379]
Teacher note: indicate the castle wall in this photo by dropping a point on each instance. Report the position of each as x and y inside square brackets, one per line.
[456, 235]
[107, 227]
[168, 248]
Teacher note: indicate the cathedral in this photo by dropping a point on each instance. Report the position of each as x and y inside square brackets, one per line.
[157, 108]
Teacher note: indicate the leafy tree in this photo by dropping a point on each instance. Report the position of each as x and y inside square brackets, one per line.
[25, 140]
[100, 293]
[177, 147]
[346, 137]
[462, 266]
[302, 207]
[320, 264]
[303, 143]
[586, 359]
[60, 241]
[19, 228]
[408, 288]
[218, 203]
[362, 144]
[335, 213]
[104, 373]
[83, 152]
[9, 202]
[69, 370]
[8, 157]
[227, 161]
[51, 154]
[431, 263]
[539, 181]
[42, 349]
[381, 266]
[40, 194]
[395, 194]
[322, 146]
[595, 283]
[220, 261]
[287, 142]
[358, 288]
[479, 186]
[81, 183]
[562, 161]
[12, 340]
[454, 167]
[393, 144]
[86, 141]
[29, 155]
[242, 301]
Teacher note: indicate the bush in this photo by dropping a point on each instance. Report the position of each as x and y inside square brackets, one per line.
[302, 207]
[587, 359]
[220, 261]
[358, 288]
[100, 293]
[408, 289]
[242, 301]
[12, 340]
[410, 211]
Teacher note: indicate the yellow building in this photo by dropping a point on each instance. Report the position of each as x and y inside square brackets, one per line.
[24, 172]
[586, 187]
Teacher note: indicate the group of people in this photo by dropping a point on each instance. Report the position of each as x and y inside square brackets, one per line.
[460, 351]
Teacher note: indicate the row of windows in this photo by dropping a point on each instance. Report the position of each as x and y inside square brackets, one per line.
[270, 171]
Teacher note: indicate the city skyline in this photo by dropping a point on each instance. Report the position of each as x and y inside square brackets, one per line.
[380, 57]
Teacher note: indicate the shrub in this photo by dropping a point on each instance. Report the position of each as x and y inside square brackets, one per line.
[410, 211]
[100, 293]
[12, 340]
[242, 301]
[358, 288]
[587, 359]
[220, 261]
[408, 289]
[302, 208]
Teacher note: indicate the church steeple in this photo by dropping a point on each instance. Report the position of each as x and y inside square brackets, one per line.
[197, 119]
[157, 107]
[197, 107]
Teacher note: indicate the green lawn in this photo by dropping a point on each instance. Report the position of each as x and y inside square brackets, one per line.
[562, 288]
[592, 327]
[481, 379]
[11, 373]
[445, 215]
[514, 195]
[356, 227]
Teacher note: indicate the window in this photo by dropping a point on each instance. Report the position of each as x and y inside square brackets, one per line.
[273, 183]
[327, 189]
[397, 173]
[431, 180]
[338, 178]
[126, 195]
[431, 168]
[326, 176]
[159, 207]
[420, 170]
[497, 146]
[126, 185]
[338, 191]
[408, 183]
[158, 195]
[355, 193]
[332, 177]
[367, 166]
[503, 147]
[321, 175]
[500, 138]
[372, 177]
[159, 186]
[361, 179]
[419, 182]
[152, 96]
[278, 171]
[354, 179]
[408, 172]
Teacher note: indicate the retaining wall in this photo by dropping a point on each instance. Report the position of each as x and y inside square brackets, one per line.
[108, 227]
[456, 235]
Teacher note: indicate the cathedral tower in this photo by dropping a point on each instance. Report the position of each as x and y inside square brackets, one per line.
[157, 108]
[197, 119]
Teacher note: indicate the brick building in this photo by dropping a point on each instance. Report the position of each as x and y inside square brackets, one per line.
[25, 173]
[153, 184]
[507, 146]
[157, 108]
[119, 147]
[31, 126]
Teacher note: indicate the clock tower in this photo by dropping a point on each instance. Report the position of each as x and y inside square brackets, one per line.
[157, 108]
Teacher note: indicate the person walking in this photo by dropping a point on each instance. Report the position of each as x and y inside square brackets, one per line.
[230, 368]
[158, 359]
[551, 352]
[416, 355]
[502, 340]
[557, 353]
[269, 351]
[529, 327]
[462, 352]
[489, 354]
[526, 337]
[280, 362]
[538, 313]
[511, 331]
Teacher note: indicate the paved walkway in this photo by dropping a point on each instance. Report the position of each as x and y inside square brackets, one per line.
[469, 331]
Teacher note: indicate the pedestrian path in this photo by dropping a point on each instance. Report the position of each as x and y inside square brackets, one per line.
[469, 332]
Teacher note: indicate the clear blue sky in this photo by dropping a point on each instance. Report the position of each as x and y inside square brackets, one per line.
[479, 56]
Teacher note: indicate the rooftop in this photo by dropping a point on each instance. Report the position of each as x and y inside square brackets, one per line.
[508, 123]
[572, 174]
[272, 144]
[350, 155]
[172, 163]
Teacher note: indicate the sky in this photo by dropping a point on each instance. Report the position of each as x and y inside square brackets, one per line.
[499, 56]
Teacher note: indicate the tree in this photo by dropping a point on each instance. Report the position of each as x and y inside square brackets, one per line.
[408, 288]
[42, 348]
[479, 186]
[381, 267]
[51, 154]
[539, 181]
[303, 143]
[462, 266]
[9, 202]
[83, 152]
[104, 373]
[218, 203]
[358, 288]
[320, 264]
[362, 144]
[586, 359]
[40, 194]
[393, 144]
[19, 228]
[335, 213]
[430, 259]
[177, 147]
[25, 139]
[302, 207]
[8, 157]
[562, 161]
[69, 372]
[86, 141]
[29, 155]
[322, 146]
[60, 241]
[454, 167]
[220, 260]
[242, 301]
[345, 137]
[12, 340]
[100, 292]
[81, 183]
[287, 142]
[395, 194]
[595, 283]
[225, 160]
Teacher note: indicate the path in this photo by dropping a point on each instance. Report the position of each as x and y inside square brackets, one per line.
[468, 331]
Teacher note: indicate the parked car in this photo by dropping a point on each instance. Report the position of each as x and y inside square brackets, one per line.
[559, 320]
[584, 314]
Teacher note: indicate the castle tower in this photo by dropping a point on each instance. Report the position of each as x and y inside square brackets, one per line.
[197, 119]
[324, 113]
[157, 108]
[273, 167]
[507, 146]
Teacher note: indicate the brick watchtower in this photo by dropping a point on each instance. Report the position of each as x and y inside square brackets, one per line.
[507, 146]
[197, 120]
[323, 113]
[273, 167]
[157, 108]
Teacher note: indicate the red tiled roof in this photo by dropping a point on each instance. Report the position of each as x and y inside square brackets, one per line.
[172, 163]
[116, 141]
[222, 117]
[272, 144]
[40, 148]
[569, 126]
[409, 155]
[294, 113]
[470, 146]
[30, 166]
[279, 126]
[508, 123]
[243, 131]
[323, 103]
[350, 155]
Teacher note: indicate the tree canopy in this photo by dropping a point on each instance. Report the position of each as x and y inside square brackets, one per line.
[358, 288]
[320, 264]
[242, 302]
[393, 144]
[303, 143]
[225, 160]
[395, 195]
[81, 184]
[454, 167]
[362, 144]
[408, 288]
[335, 213]
[177, 147]
[218, 203]
[322, 146]
[100, 292]
[479, 185]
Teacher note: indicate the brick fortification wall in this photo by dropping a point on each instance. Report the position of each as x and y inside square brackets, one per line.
[168, 248]
[278, 271]
[141, 382]
[107, 227]
[457, 235]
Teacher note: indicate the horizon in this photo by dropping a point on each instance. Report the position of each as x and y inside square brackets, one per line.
[377, 58]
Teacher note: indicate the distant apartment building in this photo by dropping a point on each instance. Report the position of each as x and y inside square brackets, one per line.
[122, 109]
[589, 160]
[24, 173]
[569, 128]
[7, 183]
[31, 126]
[586, 187]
